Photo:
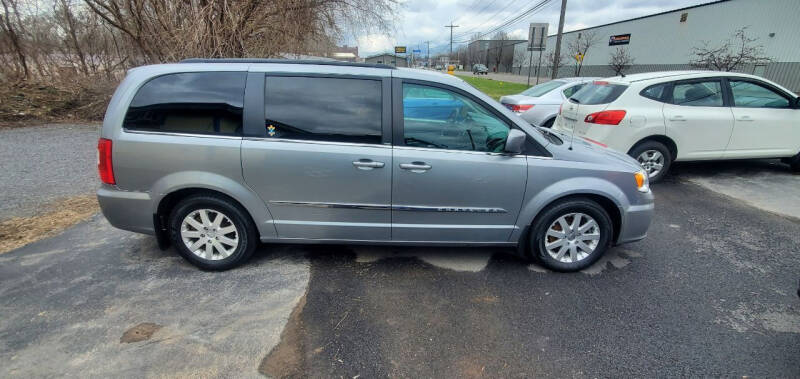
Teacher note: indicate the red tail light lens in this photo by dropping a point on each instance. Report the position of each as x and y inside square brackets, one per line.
[519, 108]
[104, 166]
[605, 117]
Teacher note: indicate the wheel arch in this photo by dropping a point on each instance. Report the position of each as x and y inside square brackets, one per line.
[668, 142]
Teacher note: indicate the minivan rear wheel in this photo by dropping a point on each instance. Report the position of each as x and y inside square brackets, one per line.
[654, 157]
[211, 232]
[571, 234]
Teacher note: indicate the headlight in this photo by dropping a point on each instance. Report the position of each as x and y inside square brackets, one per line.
[642, 181]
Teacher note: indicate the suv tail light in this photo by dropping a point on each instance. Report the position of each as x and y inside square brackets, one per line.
[519, 108]
[605, 117]
[104, 166]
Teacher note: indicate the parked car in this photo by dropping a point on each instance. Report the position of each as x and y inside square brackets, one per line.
[662, 117]
[479, 69]
[539, 104]
[215, 156]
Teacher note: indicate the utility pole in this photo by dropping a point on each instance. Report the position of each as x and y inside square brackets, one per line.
[557, 53]
[429, 53]
[451, 26]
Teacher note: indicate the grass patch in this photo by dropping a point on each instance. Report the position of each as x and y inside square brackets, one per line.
[20, 231]
[494, 88]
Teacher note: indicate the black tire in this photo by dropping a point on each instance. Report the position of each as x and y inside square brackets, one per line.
[637, 150]
[538, 236]
[245, 231]
[549, 123]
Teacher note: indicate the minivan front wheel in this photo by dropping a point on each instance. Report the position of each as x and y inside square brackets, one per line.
[212, 232]
[654, 157]
[571, 235]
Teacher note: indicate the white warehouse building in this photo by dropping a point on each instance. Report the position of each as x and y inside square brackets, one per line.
[664, 41]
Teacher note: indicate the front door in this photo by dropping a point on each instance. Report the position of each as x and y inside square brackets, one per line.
[323, 165]
[697, 119]
[765, 124]
[451, 179]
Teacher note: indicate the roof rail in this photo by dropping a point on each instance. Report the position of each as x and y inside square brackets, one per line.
[285, 61]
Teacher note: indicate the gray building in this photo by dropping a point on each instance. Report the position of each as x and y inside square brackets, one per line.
[391, 59]
[664, 41]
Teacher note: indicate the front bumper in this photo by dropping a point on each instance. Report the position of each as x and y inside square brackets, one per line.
[127, 210]
[636, 221]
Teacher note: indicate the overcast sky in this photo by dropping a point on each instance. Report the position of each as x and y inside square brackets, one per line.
[423, 20]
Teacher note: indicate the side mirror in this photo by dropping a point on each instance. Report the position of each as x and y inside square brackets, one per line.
[515, 141]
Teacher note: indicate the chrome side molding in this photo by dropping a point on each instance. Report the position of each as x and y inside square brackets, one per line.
[411, 208]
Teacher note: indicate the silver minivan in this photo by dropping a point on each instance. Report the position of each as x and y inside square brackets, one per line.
[217, 156]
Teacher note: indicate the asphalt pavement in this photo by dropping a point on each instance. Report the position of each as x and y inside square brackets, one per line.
[710, 292]
[44, 163]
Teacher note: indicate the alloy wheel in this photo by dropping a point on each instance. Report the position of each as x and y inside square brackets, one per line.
[572, 237]
[209, 234]
[652, 161]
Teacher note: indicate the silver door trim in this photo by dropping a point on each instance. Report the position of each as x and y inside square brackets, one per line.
[315, 142]
[178, 134]
[406, 208]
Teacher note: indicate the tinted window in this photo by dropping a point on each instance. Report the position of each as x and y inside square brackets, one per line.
[748, 94]
[571, 90]
[438, 118]
[198, 102]
[323, 109]
[598, 93]
[655, 92]
[698, 94]
[541, 89]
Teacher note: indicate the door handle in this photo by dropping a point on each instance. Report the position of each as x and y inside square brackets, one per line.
[417, 167]
[677, 118]
[744, 118]
[367, 164]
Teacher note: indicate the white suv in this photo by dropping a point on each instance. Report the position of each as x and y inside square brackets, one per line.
[661, 117]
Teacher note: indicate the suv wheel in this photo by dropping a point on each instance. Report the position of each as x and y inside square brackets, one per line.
[654, 157]
[211, 232]
[570, 235]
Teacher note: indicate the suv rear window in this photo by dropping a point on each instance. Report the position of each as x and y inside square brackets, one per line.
[195, 102]
[323, 109]
[598, 93]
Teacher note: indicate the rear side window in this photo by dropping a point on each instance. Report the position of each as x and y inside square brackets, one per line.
[197, 102]
[598, 93]
[323, 109]
[706, 93]
[751, 95]
[655, 92]
[571, 90]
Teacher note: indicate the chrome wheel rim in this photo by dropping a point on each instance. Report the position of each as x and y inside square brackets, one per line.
[209, 234]
[652, 161]
[572, 237]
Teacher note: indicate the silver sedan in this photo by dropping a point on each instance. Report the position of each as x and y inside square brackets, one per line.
[539, 104]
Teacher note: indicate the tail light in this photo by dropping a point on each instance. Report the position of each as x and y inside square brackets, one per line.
[104, 166]
[605, 117]
[519, 108]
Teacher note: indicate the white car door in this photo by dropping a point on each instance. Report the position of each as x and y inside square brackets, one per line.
[765, 123]
[697, 118]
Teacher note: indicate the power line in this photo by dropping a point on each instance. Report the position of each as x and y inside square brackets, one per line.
[514, 20]
[488, 20]
[451, 26]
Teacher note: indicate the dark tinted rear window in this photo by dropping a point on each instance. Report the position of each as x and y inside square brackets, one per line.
[598, 93]
[654, 92]
[323, 109]
[197, 102]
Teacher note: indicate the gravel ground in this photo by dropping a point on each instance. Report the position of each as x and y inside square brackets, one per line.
[45, 163]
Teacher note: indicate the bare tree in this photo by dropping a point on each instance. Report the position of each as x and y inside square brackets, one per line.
[10, 23]
[734, 52]
[620, 59]
[497, 51]
[551, 61]
[578, 48]
[521, 57]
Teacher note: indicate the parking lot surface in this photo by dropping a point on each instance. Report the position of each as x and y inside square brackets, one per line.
[710, 292]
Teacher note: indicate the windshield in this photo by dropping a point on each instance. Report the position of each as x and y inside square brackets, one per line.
[598, 93]
[541, 89]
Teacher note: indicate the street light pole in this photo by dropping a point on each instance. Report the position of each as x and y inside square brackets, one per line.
[557, 52]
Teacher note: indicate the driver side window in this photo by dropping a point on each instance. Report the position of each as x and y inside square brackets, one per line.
[439, 118]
